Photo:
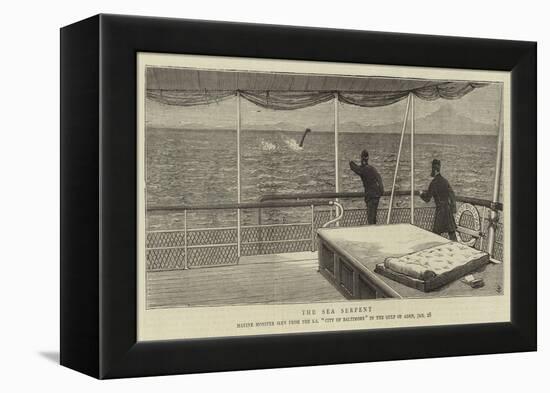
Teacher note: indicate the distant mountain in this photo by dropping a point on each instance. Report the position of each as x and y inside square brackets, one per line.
[345, 126]
[199, 126]
[279, 126]
[443, 120]
[353, 126]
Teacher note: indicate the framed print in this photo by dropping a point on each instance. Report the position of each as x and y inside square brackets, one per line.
[324, 197]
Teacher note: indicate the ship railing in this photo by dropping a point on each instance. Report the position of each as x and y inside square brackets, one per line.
[221, 246]
[475, 217]
[186, 247]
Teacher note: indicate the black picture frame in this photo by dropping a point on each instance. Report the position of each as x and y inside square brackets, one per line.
[99, 212]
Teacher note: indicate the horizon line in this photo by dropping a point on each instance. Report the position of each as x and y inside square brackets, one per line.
[318, 131]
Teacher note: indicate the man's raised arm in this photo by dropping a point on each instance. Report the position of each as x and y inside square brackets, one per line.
[354, 167]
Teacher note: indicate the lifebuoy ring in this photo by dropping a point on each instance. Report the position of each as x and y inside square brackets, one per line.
[466, 207]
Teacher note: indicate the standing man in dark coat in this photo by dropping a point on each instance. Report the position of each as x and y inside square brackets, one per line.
[374, 188]
[445, 202]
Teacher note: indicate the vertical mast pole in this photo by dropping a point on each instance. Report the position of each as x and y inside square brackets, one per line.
[238, 173]
[398, 158]
[496, 187]
[412, 157]
[336, 157]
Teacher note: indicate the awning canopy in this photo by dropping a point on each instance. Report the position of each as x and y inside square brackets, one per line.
[285, 91]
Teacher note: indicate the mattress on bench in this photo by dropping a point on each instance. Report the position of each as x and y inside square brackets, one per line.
[433, 267]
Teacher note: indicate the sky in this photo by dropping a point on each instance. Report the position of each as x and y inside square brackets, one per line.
[481, 106]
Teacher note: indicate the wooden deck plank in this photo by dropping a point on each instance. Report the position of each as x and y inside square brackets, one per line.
[238, 274]
[270, 258]
[252, 297]
[279, 287]
[248, 270]
[163, 274]
[236, 289]
[250, 294]
[287, 279]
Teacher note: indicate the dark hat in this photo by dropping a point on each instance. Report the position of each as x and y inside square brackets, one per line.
[436, 164]
[364, 154]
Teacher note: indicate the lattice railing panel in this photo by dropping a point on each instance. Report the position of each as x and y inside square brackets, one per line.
[481, 244]
[165, 259]
[498, 251]
[424, 217]
[211, 256]
[498, 248]
[165, 239]
[272, 233]
[354, 217]
[499, 233]
[275, 248]
[320, 217]
[197, 237]
[399, 216]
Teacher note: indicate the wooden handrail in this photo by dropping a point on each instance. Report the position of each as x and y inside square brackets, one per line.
[329, 195]
[268, 201]
[229, 206]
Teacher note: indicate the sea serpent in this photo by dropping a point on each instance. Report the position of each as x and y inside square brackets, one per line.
[307, 131]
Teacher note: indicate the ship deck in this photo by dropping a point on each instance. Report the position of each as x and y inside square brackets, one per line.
[277, 279]
[265, 279]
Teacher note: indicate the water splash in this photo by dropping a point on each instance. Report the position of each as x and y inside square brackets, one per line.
[292, 144]
[268, 146]
[286, 144]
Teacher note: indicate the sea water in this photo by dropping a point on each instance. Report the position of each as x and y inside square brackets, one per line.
[197, 167]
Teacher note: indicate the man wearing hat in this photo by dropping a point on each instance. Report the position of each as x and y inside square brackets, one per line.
[445, 203]
[374, 188]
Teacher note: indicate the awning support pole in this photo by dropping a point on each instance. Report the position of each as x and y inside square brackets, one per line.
[185, 249]
[336, 157]
[496, 187]
[398, 158]
[312, 228]
[412, 157]
[238, 173]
